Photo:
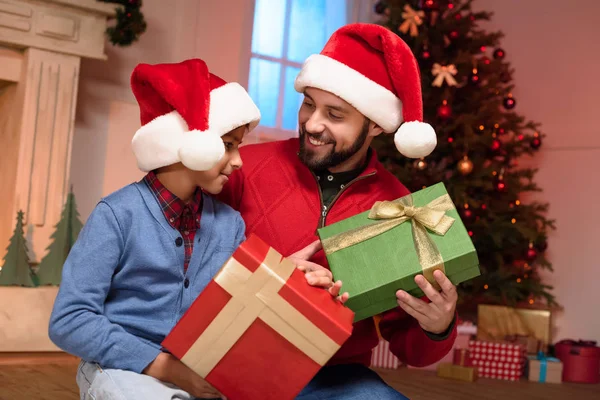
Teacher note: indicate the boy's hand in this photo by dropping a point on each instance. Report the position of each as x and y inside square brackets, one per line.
[169, 369]
[317, 275]
[436, 316]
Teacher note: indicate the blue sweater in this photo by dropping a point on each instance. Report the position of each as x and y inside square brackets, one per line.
[123, 286]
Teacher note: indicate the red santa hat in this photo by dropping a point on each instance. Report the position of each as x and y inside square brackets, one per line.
[375, 71]
[184, 111]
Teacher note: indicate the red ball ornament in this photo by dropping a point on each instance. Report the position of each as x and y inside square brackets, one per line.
[486, 60]
[468, 214]
[535, 143]
[425, 55]
[509, 103]
[531, 254]
[457, 17]
[496, 145]
[430, 5]
[474, 78]
[454, 35]
[500, 184]
[499, 54]
[444, 111]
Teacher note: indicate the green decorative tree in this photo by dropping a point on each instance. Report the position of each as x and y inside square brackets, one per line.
[467, 94]
[16, 270]
[64, 237]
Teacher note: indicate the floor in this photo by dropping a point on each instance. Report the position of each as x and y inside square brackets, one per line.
[45, 377]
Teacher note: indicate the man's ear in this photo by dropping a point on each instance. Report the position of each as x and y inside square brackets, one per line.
[374, 129]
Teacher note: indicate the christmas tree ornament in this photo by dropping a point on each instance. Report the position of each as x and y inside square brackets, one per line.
[425, 55]
[474, 77]
[454, 35]
[430, 5]
[499, 54]
[467, 215]
[536, 142]
[444, 73]
[509, 102]
[412, 20]
[500, 184]
[457, 17]
[465, 166]
[380, 7]
[541, 245]
[496, 144]
[531, 252]
[483, 49]
[420, 165]
[444, 111]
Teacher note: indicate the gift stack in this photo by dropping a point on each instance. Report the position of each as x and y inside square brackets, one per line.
[544, 369]
[498, 360]
[258, 330]
[377, 252]
[461, 367]
[581, 360]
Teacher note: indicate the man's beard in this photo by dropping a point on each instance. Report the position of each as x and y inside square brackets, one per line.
[333, 158]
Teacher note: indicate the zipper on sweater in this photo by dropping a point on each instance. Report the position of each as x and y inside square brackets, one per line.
[324, 208]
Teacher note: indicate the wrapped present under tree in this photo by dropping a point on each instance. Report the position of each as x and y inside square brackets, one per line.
[542, 368]
[258, 330]
[377, 252]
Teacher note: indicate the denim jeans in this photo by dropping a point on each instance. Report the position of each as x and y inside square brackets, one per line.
[342, 382]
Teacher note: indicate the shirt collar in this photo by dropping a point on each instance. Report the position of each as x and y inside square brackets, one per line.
[172, 206]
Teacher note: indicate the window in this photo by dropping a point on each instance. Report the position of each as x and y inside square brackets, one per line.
[285, 33]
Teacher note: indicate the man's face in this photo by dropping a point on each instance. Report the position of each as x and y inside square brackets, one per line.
[332, 132]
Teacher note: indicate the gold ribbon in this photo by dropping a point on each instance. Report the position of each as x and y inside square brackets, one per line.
[390, 214]
[255, 295]
[444, 73]
[412, 19]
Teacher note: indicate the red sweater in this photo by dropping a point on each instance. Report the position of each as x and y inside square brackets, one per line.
[279, 199]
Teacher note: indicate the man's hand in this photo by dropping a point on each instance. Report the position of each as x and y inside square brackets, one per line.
[169, 369]
[434, 317]
[317, 275]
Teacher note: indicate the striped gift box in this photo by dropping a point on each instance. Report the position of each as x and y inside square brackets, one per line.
[382, 357]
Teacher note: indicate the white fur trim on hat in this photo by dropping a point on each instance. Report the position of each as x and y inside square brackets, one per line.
[167, 140]
[157, 143]
[200, 151]
[370, 98]
[230, 108]
[415, 139]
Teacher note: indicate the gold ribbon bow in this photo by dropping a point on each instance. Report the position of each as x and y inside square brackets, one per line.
[390, 214]
[444, 73]
[412, 19]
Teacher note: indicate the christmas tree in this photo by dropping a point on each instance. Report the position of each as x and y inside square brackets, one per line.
[467, 95]
[63, 239]
[16, 270]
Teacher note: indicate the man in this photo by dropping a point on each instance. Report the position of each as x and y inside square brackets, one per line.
[364, 83]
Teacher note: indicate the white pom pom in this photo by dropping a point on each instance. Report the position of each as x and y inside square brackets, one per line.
[415, 139]
[200, 151]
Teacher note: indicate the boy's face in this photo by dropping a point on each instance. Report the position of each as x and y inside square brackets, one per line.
[332, 132]
[213, 180]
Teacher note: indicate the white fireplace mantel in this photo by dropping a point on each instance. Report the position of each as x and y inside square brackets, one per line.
[41, 46]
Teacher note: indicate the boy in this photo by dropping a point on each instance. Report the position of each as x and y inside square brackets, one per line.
[150, 248]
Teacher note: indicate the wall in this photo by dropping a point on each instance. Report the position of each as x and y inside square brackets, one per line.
[550, 45]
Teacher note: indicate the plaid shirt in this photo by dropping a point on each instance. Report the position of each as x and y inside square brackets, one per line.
[181, 216]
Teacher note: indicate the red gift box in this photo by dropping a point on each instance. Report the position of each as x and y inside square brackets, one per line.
[258, 330]
[498, 360]
[581, 360]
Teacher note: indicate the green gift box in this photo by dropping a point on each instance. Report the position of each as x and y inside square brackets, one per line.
[377, 252]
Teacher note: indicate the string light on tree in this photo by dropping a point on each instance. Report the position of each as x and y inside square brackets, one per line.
[420, 164]
[465, 166]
